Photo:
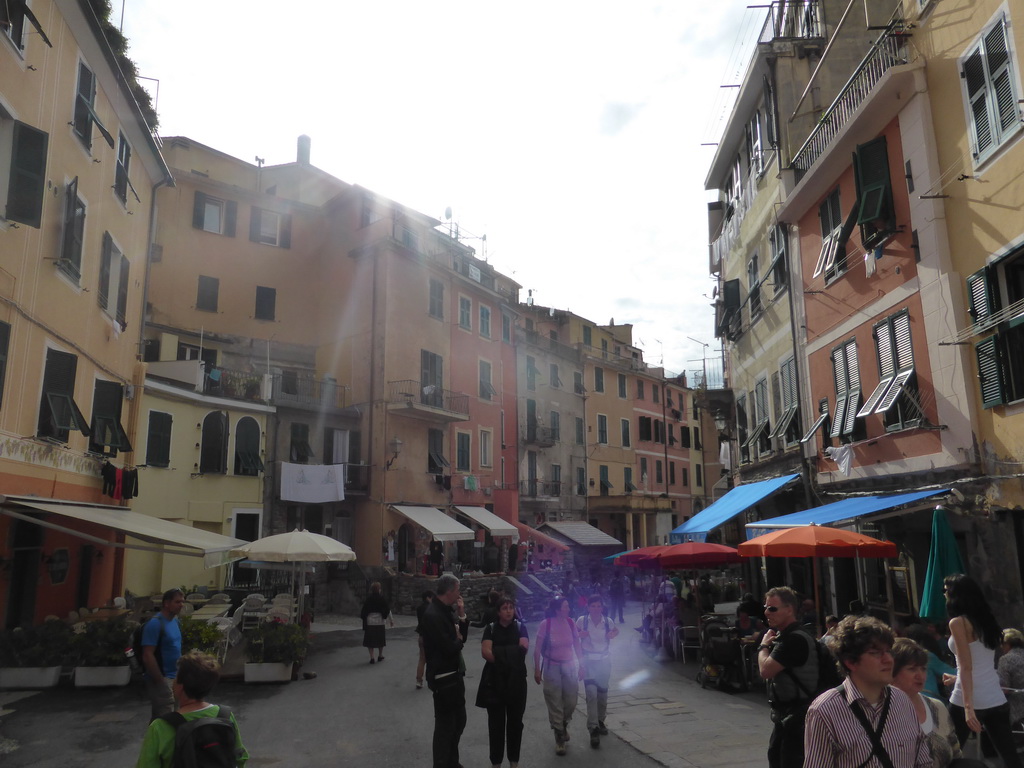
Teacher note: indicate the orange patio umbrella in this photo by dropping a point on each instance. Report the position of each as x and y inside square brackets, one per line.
[816, 541]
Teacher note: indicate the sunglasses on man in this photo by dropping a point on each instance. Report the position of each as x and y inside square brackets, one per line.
[771, 608]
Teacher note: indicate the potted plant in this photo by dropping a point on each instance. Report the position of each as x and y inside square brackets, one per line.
[99, 648]
[33, 657]
[273, 649]
[199, 635]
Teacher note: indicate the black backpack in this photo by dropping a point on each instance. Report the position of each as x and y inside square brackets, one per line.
[135, 661]
[828, 672]
[206, 742]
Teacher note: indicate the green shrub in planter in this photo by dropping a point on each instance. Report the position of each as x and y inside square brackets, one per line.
[199, 635]
[48, 645]
[276, 641]
[103, 643]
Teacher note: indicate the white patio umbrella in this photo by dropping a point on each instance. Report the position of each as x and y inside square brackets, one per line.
[296, 547]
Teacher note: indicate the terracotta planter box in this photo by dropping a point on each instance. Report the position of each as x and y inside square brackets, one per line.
[102, 677]
[269, 672]
[12, 678]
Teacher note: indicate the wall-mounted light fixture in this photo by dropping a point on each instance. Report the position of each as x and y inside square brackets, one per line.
[395, 446]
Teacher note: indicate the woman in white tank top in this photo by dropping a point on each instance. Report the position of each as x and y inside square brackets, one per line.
[977, 700]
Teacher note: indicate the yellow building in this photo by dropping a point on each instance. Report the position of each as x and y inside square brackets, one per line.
[974, 78]
[78, 171]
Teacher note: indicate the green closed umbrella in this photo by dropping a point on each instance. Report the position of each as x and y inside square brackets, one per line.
[943, 560]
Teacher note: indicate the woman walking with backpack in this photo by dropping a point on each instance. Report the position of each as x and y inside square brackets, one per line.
[502, 689]
[558, 662]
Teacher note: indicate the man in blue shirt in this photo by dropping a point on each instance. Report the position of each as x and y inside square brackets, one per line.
[161, 648]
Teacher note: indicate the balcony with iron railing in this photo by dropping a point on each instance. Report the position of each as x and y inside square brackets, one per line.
[535, 434]
[889, 51]
[539, 488]
[793, 21]
[194, 375]
[287, 389]
[408, 397]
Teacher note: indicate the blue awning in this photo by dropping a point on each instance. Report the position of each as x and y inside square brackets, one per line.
[726, 508]
[847, 509]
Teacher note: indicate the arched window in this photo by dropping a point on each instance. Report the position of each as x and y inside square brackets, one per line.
[247, 447]
[213, 456]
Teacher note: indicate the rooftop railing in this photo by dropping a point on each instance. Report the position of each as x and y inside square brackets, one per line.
[890, 50]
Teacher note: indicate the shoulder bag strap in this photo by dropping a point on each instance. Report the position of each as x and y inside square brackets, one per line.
[877, 748]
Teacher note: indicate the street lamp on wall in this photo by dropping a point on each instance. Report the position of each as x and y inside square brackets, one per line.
[395, 446]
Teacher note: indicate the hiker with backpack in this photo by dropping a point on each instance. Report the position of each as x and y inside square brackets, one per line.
[160, 641]
[198, 734]
[558, 662]
[788, 661]
[596, 633]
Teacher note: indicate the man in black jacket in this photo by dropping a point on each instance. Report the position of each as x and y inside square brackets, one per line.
[444, 629]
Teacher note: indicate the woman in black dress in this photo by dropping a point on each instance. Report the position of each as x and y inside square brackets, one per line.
[503, 682]
[374, 613]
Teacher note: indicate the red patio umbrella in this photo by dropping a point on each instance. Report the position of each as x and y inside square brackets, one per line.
[695, 554]
[636, 556]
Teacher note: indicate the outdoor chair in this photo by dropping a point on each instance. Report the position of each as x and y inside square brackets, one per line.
[220, 597]
[687, 638]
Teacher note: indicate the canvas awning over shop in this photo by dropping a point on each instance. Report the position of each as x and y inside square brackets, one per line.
[726, 508]
[437, 523]
[175, 538]
[527, 533]
[487, 519]
[583, 534]
[838, 512]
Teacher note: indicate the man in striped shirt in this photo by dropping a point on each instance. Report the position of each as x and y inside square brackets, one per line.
[864, 723]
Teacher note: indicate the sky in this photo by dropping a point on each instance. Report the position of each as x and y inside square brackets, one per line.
[569, 133]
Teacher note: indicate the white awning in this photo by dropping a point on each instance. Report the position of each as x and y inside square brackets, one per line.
[487, 519]
[184, 539]
[441, 526]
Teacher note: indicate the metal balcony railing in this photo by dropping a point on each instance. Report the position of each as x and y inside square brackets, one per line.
[535, 488]
[412, 392]
[239, 385]
[286, 388]
[890, 50]
[793, 21]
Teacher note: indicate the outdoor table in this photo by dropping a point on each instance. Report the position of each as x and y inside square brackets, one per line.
[211, 611]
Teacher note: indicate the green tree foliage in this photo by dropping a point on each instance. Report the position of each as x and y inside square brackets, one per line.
[119, 44]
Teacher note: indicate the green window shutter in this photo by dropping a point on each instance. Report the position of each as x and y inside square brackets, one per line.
[74, 229]
[158, 443]
[105, 256]
[285, 235]
[979, 295]
[107, 432]
[998, 60]
[990, 371]
[199, 210]
[28, 175]
[874, 190]
[122, 293]
[5, 340]
[254, 224]
[975, 78]
[230, 216]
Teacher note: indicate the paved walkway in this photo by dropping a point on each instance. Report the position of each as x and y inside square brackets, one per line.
[658, 707]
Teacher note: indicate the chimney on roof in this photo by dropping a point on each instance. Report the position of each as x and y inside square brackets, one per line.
[303, 152]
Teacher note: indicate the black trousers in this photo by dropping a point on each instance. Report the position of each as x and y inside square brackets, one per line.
[995, 722]
[786, 745]
[449, 720]
[505, 722]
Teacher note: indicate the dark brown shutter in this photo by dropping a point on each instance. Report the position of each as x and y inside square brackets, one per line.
[28, 175]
